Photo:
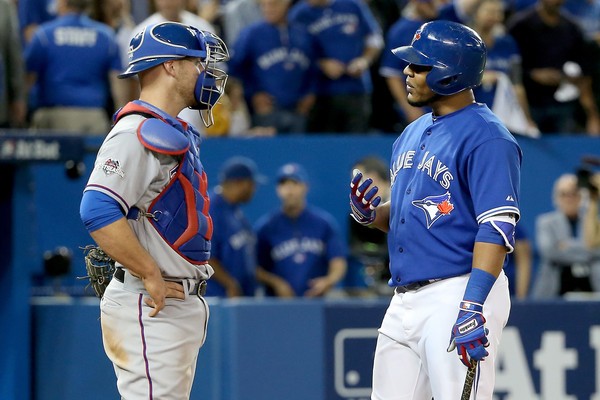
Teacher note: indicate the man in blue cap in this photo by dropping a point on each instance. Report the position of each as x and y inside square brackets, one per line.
[233, 243]
[300, 251]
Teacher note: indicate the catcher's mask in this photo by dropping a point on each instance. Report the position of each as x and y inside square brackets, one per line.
[167, 41]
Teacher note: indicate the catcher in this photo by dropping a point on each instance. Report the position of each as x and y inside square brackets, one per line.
[146, 206]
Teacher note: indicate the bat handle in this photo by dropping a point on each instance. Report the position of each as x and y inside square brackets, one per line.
[469, 378]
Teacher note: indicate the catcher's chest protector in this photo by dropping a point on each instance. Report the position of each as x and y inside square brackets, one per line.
[180, 212]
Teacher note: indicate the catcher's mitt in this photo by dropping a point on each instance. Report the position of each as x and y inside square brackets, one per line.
[100, 268]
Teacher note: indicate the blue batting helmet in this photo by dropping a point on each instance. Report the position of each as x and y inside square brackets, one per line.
[455, 53]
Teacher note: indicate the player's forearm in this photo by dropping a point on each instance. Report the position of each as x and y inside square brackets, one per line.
[489, 257]
[119, 241]
[382, 217]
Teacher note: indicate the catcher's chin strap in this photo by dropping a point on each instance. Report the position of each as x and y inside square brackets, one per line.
[99, 267]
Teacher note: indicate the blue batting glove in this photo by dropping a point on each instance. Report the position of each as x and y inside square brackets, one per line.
[362, 199]
[469, 335]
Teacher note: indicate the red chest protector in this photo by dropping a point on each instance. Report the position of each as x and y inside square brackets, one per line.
[180, 212]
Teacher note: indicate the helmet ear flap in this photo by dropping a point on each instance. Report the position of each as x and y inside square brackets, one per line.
[443, 83]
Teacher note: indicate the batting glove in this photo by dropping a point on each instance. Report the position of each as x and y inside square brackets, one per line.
[362, 199]
[469, 335]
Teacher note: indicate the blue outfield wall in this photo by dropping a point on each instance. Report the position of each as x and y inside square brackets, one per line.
[54, 213]
[46, 204]
[315, 349]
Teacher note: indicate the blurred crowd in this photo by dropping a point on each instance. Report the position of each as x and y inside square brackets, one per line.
[301, 66]
[290, 72]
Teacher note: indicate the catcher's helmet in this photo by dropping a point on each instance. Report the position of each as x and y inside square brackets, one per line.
[455, 53]
[166, 41]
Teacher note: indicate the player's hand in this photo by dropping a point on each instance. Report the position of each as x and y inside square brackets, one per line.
[469, 335]
[362, 199]
[157, 289]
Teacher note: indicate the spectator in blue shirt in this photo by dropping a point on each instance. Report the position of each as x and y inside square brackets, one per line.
[75, 62]
[300, 251]
[275, 62]
[233, 243]
[347, 40]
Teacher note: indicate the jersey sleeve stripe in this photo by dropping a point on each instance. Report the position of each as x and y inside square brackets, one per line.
[109, 192]
[498, 210]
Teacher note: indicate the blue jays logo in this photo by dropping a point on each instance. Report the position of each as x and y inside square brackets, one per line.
[435, 207]
[417, 36]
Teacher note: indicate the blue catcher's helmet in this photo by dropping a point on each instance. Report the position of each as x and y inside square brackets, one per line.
[455, 53]
[162, 42]
[167, 41]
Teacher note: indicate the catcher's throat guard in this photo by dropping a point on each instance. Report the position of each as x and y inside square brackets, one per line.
[99, 267]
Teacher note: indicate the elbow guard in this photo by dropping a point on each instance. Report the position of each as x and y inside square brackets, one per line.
[498, 229]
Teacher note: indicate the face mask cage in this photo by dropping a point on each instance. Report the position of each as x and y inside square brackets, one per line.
[212, 81]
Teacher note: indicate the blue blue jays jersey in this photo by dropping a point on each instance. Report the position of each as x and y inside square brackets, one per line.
[501, 57]
[233, 244]
[299, 249]
[72, 57]
[280, 63]
[448, 174]
[339, 30]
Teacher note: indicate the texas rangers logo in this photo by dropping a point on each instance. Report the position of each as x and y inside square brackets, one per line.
[435, 207]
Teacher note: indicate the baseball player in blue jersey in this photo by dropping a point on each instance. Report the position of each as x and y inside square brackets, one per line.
[233, 248]
[146, 206]
[455, 177]
[299, 248]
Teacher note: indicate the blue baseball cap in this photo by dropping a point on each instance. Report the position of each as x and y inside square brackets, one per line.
[240, 168]
[292, 171]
